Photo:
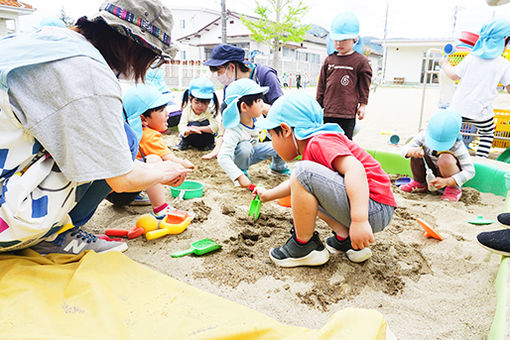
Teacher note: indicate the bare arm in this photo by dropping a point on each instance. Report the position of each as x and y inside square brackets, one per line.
[448, 69]
[279, 191]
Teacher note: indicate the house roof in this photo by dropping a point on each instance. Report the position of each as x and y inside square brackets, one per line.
[15, 3]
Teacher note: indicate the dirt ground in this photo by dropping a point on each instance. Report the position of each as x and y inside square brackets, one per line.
[426, 289]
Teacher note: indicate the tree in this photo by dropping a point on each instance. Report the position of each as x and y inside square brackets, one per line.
[278, 23]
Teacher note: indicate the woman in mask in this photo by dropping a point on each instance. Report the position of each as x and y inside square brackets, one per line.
[227, 62]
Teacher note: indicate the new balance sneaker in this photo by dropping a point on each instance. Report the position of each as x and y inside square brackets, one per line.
[414, 186]
[75, 241]
[496, 241]
[285, 172]
[334, 246]
[294, 254]
[141, 199]
[452, 194]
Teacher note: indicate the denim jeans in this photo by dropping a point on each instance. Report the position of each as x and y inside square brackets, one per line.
[247, 154]
[89, 195]
[328, 187]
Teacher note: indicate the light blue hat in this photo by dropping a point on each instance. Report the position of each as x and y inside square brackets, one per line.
[300, 111]
[155, 78]
[239, 88]
[443, 130]
[491, 42]
[358, 46]
[344, 26]
[201, 88]
[51, 21]
[139, 98]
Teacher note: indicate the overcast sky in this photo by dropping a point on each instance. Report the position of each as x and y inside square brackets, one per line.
[406, 18]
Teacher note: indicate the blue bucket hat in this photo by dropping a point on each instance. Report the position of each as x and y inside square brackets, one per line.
[301, 112]
[239, 88]
[443, 130]
[345, 26]
[491, 42]
[139, 98]
[201, 88]
[224, 53]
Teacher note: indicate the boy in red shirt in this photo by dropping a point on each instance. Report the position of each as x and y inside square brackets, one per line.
[336, 180]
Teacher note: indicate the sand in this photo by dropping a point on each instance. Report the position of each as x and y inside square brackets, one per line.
[426, 289]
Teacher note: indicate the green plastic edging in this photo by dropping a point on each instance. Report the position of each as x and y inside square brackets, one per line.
[499, 326]
[487, 179]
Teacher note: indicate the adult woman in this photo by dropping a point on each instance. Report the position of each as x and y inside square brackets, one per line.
[227, 62]
[62, 124]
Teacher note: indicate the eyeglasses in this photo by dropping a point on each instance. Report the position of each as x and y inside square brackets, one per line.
[158, 62]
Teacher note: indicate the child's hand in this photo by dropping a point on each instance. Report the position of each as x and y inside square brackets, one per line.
[244, 182]
[415, 153]
[187, 164]
[361, 111]
[361, 234]
[440, 182]
[262, 192]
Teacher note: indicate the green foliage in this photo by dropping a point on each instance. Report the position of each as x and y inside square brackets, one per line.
[279, 22]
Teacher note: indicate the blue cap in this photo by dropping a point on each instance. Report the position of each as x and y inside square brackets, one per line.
[139, 98]
[224, 53]
[51, 21]
[201, 88]
[239, 88]
[443, 130]
[345, 26]
[300, 111]
[491, 42]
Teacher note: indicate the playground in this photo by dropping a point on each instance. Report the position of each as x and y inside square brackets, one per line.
[413, 281]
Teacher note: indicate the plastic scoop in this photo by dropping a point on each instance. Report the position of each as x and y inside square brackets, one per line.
[285, 202]
[198, 248]
[402, 181]
[255, 208]
[481, 221]
[429, 231]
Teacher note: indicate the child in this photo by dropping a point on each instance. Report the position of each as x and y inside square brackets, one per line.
[150, 105]
[241, 147]
[344, 79]
[198, 124]
[479, 73]
[441, 150]
[336, 180]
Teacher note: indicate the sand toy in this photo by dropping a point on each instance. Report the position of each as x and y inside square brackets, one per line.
[198, 248]
[429, 231]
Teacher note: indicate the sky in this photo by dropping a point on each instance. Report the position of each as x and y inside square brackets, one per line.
[406, 18]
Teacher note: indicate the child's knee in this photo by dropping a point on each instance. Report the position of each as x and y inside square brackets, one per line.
[244, 149]
[446, 160]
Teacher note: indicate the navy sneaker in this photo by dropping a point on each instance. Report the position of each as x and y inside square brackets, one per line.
[504, 219]
[141, 199]
[294, 254]
[334, 246]
[496, 241]
[75, 241]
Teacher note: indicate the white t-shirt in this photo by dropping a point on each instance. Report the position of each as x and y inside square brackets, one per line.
[477, 88]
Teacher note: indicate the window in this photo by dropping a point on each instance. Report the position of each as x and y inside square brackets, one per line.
[10, 25]
[183, 23]
[288, 52]
[183, 55]
[208, 52]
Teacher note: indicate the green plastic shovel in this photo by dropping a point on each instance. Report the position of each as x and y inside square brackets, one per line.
[255, 208]
[198, 248]
[481, 221]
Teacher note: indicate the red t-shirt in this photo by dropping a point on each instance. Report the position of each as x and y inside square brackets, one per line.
[324, 148]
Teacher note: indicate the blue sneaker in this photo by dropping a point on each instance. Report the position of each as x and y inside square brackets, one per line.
[285, 172]
[141, 199]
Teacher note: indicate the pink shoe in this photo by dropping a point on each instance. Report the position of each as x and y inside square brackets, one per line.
[414, 186]
[452, 194]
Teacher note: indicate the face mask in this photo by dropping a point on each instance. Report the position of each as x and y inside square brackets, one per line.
[224, 79]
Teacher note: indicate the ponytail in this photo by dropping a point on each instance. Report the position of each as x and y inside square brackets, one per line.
[186, 96]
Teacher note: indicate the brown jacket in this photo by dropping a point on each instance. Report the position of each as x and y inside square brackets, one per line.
[344, 83]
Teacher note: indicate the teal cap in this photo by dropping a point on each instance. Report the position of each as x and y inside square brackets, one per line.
[201, 88]
[239, 88]
[443, 130]
[345, 26]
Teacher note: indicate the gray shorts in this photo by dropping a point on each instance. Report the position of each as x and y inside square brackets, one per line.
[329, 188]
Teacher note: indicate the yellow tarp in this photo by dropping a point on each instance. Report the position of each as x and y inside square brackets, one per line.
[109, 296]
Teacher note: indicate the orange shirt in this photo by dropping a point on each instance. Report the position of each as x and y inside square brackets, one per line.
[152, 143]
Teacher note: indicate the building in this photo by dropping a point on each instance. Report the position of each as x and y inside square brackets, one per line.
[198, 30]
[10, 10]
[404, 59]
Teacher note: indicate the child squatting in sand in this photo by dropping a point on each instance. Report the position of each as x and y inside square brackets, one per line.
[336, 180]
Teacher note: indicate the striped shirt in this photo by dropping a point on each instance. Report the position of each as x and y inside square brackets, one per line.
[458, 150]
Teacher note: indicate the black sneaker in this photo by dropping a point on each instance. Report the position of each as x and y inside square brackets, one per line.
[294, 254]
[496, 241]
[334, 246]
[504, 218]
[75, 241]
[183, 145]
[207, 147]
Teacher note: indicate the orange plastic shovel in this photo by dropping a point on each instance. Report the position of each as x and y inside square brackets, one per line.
[429, 231]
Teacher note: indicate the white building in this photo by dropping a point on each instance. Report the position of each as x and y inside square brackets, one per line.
[10, 10]
[198, 30]
[404, 59]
